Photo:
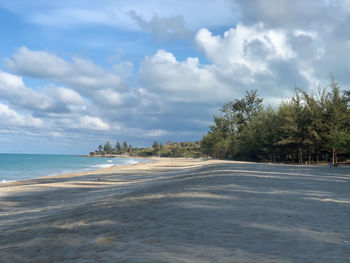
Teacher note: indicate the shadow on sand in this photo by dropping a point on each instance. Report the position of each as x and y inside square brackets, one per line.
[228, 212]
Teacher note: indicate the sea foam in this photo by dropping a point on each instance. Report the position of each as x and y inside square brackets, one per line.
[104, 165]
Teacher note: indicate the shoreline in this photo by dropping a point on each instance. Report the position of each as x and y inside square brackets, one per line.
[151, 159]
[313, 163]
[110, 169]
[179, 210]
[81, 170]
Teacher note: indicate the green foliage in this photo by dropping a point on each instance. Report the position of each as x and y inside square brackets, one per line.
[125, 147]
[182, 149]
[130, 149]
[107, 148]
[118, 148]
[304, 128]
[156, 148]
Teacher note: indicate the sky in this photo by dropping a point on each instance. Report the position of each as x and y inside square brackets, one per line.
[75, 74]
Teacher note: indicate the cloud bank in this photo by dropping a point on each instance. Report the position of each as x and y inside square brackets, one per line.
[205, 54]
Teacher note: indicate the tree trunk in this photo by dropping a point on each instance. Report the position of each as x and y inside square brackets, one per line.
[333, 156]
[300, 155]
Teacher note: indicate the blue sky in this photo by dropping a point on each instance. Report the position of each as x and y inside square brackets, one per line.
[74, 74]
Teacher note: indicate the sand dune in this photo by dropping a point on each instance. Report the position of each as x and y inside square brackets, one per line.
[178, 210]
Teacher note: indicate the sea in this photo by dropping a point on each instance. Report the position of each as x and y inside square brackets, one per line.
[18, 167]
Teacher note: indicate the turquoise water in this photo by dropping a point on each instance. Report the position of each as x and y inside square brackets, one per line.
[17, 167]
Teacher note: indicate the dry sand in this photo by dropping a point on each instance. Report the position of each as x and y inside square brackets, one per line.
[180, 211]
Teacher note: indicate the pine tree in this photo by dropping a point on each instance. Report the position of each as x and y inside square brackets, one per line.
[107, 148]
[118, 148]
[125, 147]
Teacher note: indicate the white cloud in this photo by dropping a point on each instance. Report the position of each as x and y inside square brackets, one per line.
[80, 74]
[9, 80]
[65, 95]
[92, 123]
[13, 89]
[83, 77]
[96, 100]
[286, 13]
[53, 99]
[273, 60]
[163, 28]
[243, 58]
[60, 108]
[67, 14]
[268, 45]
[244, 46]
[318, 31]
[300, 32]
[109, 97]
[10, 119]
[68, 18]
[64, 112]
[47, 65]
[180, 81]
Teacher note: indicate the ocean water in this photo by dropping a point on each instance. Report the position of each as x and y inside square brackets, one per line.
[17, 167]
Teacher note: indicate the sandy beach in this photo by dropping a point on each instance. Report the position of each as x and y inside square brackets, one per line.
[180, 210]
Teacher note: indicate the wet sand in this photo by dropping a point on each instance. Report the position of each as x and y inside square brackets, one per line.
[179, 210]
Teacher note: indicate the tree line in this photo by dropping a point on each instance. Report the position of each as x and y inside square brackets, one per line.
[305, 128]
[107, 148]
[171, 149]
